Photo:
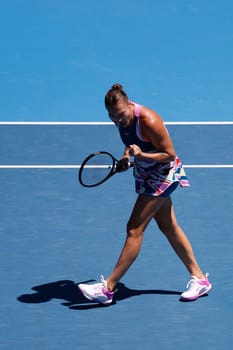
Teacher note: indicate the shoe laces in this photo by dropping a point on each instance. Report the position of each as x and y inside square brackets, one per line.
[104, 285]
[97, 287]
[194, 279]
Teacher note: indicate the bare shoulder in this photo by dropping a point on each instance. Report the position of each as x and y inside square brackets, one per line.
[151, 121]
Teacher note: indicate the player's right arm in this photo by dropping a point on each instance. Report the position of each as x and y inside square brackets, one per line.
[123, 163]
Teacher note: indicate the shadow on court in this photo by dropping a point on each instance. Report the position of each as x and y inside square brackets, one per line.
[69, 292]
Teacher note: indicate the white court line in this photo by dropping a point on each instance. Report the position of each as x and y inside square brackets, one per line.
[56, 123]
[110, 123]
[209, 166]
[58, 166]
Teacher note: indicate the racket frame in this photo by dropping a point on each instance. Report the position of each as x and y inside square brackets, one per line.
[112, 171]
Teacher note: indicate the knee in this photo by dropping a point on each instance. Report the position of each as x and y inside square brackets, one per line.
[134, 231]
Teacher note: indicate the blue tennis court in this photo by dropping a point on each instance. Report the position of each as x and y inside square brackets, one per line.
[55, 234]
[58, 59]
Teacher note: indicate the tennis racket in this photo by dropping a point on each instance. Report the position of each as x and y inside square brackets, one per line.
[97, 168]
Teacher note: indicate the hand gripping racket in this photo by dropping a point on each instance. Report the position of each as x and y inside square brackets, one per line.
[97, 168]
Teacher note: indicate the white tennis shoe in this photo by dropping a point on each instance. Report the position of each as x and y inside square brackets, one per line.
[196, 287]
[97, 292]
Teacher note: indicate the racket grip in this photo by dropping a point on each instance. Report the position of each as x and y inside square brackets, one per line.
[123, 165]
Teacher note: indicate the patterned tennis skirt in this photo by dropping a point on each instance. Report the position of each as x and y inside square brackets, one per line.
[159, 179]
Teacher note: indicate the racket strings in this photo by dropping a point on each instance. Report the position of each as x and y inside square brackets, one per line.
[97, 169]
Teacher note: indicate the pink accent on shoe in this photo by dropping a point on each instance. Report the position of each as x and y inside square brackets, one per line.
[107, 293]
[204, 281]
[196, 287]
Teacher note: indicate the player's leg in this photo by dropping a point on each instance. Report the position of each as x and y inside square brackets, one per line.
[167, 223]
[166, 220]
[143, 211]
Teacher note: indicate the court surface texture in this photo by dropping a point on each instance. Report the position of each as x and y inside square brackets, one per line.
[55, 234]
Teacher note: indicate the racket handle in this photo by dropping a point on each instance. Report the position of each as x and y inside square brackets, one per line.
[123, 165]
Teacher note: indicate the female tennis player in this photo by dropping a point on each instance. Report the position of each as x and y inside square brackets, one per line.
[157, 171]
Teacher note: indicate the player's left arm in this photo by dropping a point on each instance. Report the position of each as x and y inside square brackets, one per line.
[154, 131]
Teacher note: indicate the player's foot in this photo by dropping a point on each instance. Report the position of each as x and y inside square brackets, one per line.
[196, 287]
[97, 292]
